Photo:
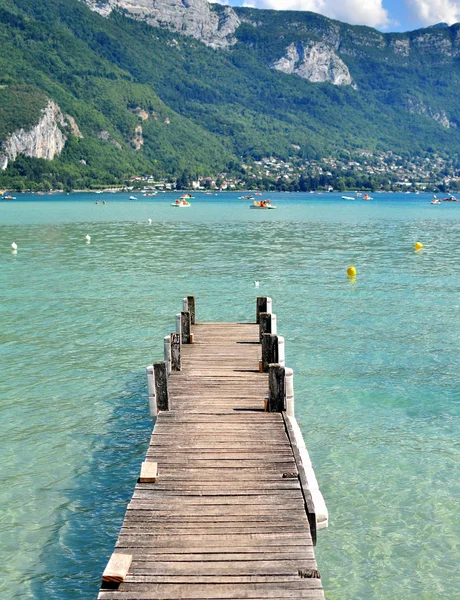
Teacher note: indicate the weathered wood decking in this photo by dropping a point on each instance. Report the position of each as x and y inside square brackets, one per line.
[226, 515]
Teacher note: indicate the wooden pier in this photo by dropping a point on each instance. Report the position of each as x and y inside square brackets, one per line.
[223, 507]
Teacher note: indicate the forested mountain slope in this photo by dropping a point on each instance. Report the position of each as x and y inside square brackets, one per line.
[147, 99]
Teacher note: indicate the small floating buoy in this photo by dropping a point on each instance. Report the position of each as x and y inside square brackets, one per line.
[351, 271]
[256, 284]
[88, 239]
[14, 246]
[418, 246]
[150, 221]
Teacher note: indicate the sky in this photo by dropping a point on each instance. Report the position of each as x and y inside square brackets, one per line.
[386, 15]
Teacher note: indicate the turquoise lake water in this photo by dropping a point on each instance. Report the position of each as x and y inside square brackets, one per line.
[376, 363]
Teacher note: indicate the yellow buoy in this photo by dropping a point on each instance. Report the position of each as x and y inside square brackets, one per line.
[351, 271]
[418, 246]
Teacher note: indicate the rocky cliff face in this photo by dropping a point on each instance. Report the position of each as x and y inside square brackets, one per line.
[440, 116]
[45, 140]
[316, 62]
[197, 18]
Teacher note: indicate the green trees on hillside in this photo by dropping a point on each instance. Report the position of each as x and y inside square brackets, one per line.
[204, 111]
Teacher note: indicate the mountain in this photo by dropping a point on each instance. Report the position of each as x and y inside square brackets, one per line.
[182, 87]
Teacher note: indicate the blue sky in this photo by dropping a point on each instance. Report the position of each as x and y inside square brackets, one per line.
[386, 15]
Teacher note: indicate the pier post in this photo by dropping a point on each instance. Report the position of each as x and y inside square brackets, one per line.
[277, 387]
[175, 352]
[267, 324]
[167, 353]
[192, 308]
[289, 392]
[263, 305]
[151, 392]
[161, 385]
[281, 351]
[270, 351]
[185, 327]
[179, 322]
[185, 305]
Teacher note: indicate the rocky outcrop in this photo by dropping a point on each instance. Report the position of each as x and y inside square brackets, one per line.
[418, 108]
[45, 140]
[103, 7]
[138, 139]
[214, 26]
[316, 62]
[400, 46]
[72, 124]
[105, 136]
[141, 113]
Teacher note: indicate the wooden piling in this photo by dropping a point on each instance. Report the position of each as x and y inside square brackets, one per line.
[277, 388]
[167, 352]
[175, 352]
[269, 350]
[262, 306]
[186, 327]
[161, 385]
[192, 309]
[265, 324]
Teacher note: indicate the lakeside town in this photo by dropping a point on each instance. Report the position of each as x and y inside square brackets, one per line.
[384, 171]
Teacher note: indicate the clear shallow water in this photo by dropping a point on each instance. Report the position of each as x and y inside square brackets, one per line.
[376, 366]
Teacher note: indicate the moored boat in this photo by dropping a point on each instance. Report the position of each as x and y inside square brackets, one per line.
[181, 203]
[435, 200]
[262, 204]
[133, 197]
[348, 198]
[450, 199]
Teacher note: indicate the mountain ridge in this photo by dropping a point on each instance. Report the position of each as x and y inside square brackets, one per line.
[211, 108]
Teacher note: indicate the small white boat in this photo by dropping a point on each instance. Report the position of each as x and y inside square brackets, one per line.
[181, 204]
[367, 197]
[348, 198]
[262, 205]
[133, 197]
[435, 200]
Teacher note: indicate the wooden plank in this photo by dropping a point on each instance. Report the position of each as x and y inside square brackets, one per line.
[304, 588]
[303, 555]
[165, 512]
[222, 567]
[261, 551]
[197, 519]
[149, 472]
[223, 487]
[117, 568]
[191, 540]
[206, 580]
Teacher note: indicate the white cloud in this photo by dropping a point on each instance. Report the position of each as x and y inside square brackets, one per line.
[429, 12]
[356, 12]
